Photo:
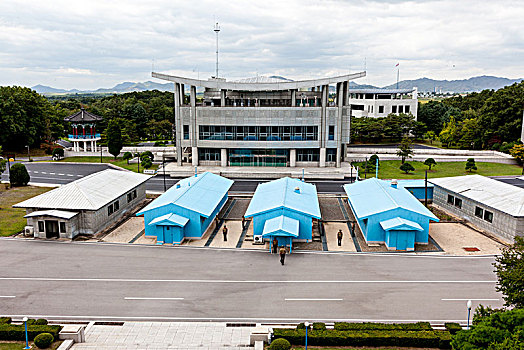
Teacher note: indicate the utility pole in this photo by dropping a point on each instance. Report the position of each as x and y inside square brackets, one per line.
[164, 169]
[217, 30]
[426, 189]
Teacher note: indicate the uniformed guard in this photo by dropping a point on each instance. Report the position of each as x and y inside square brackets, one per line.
[339, 237]
[282, 254]
[224, 232]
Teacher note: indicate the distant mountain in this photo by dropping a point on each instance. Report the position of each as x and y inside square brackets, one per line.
[474, 84]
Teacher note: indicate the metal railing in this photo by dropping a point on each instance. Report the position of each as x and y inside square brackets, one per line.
[84, 137]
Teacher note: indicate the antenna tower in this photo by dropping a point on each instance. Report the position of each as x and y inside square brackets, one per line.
[217, 30]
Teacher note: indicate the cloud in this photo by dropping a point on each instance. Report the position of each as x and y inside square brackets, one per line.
[92, 43]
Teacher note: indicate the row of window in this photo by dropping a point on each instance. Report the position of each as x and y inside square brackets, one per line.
[479, 212]
[258, 133]
[41, 227]
[113, 207]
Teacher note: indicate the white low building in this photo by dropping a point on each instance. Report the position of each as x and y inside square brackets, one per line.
[377, 103]
[85, 206]
[491, 205]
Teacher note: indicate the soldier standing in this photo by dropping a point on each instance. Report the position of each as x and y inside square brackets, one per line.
[282, 255]
[224, 232]
[275, 245]
[339, 237]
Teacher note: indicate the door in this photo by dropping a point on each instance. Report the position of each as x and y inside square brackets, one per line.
[403, 239]
[168, 234]
[51, 229]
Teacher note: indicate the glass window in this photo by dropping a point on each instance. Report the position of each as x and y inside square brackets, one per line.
[62, 227]
[110, 209]
[40, 226]
[479, 212]
[380, 109]
[451, 199]
[406, 109]
[394, 109]
[134, 194]
[331, 135]
[401, 109]
[488, 216]
[458, 202]
[186, 132]
[116, 205]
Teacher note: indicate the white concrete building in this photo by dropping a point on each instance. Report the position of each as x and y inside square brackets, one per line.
[493, 206]
[262, 122]
[85, 206]
[375, 103]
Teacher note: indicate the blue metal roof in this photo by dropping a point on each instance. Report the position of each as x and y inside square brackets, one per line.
[374, 196]
[170, 220]
[400, 224]
[413, 184]
[201, 193]
[282, 193]
[281, 226]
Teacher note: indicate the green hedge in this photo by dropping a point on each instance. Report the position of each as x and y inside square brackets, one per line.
[375, 338]
[419, 326]
[5, 320]
[17, 332]
[453, 327]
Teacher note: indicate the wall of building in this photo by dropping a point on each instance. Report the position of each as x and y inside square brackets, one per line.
[71, 225]
[503, 225]
[305, 222]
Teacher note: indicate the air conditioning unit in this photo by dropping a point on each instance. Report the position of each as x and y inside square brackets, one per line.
[257, 239]
[29, 231]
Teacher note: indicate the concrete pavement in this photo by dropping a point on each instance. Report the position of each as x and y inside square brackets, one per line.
[122, 282]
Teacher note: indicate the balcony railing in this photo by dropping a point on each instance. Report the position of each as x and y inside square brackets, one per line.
[83, 137]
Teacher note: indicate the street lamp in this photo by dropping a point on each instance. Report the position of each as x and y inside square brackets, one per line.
[26, 337]
[28, 155]
[306, 324]
[469, 311]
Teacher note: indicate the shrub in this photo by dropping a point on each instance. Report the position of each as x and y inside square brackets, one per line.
[495, 146]
[18, 175]
[148, 154]
[44, 340]
[146, 163]
[373, 159]
[41, 322]
[319, 326]
[17, 332]
[58, 153]
[419, 326]
[127, 156]
[280, 344]
[453, 327]
[302, 326]
[470, 165]
[5, 320]
[406, 167]
[159, 143]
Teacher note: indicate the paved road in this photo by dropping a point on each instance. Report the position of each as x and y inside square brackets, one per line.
[62, 173]
[104, 281]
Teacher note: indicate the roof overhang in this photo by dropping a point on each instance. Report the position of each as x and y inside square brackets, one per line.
[266, 86]
[281, 226]
[61, 214]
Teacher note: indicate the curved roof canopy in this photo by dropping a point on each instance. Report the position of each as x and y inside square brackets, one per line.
[222, 84]
[83, 116]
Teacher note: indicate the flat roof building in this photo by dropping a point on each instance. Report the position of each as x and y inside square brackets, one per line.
[85, 206]
[493, 206]
[389, 214]
[262, 121]
[375, 103]
[186, 210]
[284, 209]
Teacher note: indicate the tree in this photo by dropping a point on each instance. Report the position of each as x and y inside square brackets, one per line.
[449, 133]
[148, 154]
[147, 163]
[470, 165]
[430, 162]
[127, 156]
[518, 152]
[374, 160]
[509, 267]
[404, 149]
[2, 162]
[406, 167]
[18, 175]
[114, 138]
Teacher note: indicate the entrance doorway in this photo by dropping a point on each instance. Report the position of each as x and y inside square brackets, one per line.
[51, 229]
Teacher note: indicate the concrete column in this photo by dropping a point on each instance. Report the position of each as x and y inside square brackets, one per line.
[193, 132]
[345, 93]
[338, 131]
[323, 116]
[95, 145]
[292, 158]
[178, 126]
[222, 98]
[194, 156]
[322, 158]
[223, 157]
[293, 98]
[85, 146]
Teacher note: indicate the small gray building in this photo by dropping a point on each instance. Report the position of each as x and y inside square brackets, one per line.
[493, 206]
[85, 206]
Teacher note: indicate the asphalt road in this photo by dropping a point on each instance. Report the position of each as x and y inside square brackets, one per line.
[122, 282]
[62, 173]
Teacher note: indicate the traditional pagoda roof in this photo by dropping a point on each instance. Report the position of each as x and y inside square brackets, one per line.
[83, 116]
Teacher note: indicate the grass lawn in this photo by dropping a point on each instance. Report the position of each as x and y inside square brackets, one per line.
[118, 162]
[18, 345]
[389, 169]
[12, 219]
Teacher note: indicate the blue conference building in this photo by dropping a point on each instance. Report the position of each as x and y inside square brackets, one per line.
[284, 209]
[185, 210]
[417, 188]
[388, 213]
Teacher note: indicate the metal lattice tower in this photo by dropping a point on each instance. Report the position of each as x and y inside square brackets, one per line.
[217, 30]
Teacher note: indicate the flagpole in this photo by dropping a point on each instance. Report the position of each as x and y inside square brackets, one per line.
[398, 70]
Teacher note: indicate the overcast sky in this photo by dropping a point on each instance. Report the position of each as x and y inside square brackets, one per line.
[89, 44]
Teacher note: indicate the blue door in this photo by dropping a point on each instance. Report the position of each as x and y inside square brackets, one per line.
[168, 235]
[405, 240]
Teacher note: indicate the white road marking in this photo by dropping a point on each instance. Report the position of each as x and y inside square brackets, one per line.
[79, 175]
[70, 175]
[7, 296]
[311, 299]
[226, 281]
[36, 172]
[470, 299]
[144, 298]
[52, 173]
[61, 174]
[43, 172]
